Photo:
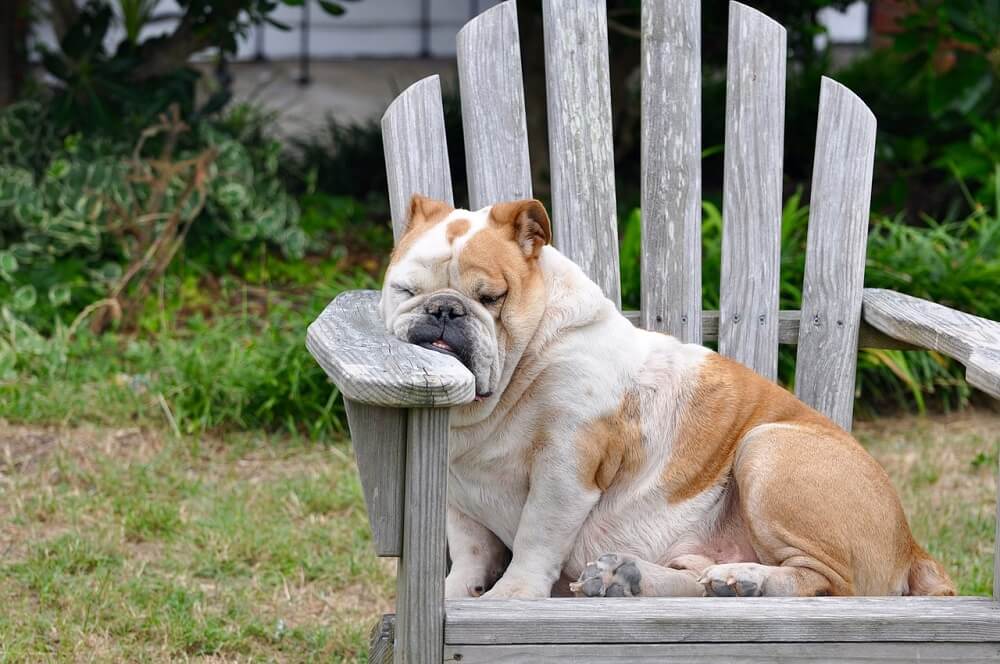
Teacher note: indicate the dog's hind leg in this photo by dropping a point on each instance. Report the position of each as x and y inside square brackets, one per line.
[618, 575]
[823, 518]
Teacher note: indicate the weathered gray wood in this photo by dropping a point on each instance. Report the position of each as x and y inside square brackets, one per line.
[380, 640]
[350, 342]
[996, 546]
[759, 653]
[378, 435]
[835, 253]
[751, 199]
[671, 168]
[416, 151]
[420, 580]
[693, 620]
[973, 341]
[492, 91]
[788, 330]
[581, 152]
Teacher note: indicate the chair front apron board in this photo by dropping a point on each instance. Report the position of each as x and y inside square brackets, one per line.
[397, 396]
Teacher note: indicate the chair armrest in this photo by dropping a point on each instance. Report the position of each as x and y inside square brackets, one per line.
[350, 342]
[973, 341]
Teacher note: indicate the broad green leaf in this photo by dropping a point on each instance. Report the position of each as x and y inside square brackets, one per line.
[245, 231]
[59, 294]
[8, 263]
[24, 298]
[332, 8]
[57, 169]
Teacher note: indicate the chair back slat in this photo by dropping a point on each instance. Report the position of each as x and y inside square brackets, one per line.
[581, 151]
[755, 110]
[416, 150]
[492, 91]
[671, 168]
[835, 253]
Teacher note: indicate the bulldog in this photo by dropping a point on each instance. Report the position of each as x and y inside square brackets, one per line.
[622, 458]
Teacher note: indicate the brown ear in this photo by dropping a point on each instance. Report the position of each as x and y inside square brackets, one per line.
[528, 221]
[423, 209]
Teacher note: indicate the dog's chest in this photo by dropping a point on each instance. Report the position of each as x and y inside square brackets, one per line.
[490, 483]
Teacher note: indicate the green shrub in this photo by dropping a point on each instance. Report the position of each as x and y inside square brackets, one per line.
[99, 212]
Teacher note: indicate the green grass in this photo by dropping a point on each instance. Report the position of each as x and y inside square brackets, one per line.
[127, 545]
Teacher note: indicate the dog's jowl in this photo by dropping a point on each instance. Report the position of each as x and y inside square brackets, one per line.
[613, 461]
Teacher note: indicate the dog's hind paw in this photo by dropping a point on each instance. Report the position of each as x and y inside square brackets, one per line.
[735, 580]
[611, 575]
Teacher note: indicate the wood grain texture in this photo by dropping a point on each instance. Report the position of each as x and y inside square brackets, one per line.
[378, 435]
[835, 253]
[752, 653]
[708, 620]
[973, 341]
[381, 639]
[416, 150]
[493, 119]
[581, 152]
[420, 580]
[350, 342]
[751, 202]
[788, 330]
[996, 546]
[671, 168]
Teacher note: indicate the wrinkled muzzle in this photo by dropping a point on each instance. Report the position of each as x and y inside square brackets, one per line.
[447, 323]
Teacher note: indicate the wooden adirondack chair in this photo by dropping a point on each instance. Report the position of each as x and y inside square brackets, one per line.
[397, 395]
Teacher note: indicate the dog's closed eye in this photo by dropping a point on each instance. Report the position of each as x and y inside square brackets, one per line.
[488, 300]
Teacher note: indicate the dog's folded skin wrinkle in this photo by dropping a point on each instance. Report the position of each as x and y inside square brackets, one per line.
[622, 458]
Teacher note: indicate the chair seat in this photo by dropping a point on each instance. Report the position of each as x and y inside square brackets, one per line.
[734, 620]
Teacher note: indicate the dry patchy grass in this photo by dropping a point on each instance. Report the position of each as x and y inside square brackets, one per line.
[129, 544]
[945, 469]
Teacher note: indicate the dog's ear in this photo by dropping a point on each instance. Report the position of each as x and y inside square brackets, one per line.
[423, 209]
[528, 222]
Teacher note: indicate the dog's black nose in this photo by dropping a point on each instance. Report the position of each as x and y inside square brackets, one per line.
[445, 307]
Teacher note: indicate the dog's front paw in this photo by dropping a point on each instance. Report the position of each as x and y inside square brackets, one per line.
[611, 575]
[518, 587]
[459, 586]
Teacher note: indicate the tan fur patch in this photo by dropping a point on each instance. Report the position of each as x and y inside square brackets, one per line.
[456, 228]
[728, 400]
[611, 446]
[927, 576]
[490, 255]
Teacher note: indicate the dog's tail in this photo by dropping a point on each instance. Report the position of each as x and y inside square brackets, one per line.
[927, 576]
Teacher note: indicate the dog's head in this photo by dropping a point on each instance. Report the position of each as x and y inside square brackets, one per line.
[468, 284]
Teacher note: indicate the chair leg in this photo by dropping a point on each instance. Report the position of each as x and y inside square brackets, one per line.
[420, 583]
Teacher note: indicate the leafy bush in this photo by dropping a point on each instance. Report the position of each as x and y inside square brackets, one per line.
[101, 218]
[119, 91]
